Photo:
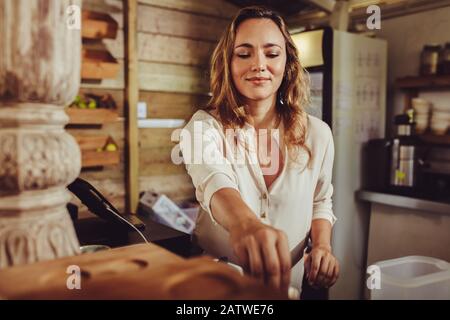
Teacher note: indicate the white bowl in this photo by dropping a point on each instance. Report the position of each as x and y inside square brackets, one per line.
[439, 127]
[441, 107]
[440, 116]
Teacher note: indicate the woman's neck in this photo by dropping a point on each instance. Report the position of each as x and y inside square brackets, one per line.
[262, 114]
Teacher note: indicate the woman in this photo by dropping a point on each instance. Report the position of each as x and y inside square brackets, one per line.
[254, 213]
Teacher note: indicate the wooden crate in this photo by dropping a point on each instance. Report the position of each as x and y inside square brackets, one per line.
[91, 143]
[98, 64]
[93, 153]
[91, 116]
[94, 158]
[96, 25]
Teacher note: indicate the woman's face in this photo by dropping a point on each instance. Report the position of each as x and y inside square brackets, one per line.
[259, 59]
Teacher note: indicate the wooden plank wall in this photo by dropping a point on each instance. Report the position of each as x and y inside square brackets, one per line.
[110, 180]
[175, 42]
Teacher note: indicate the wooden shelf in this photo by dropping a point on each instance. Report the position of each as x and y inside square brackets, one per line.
[98, 65]
[91, 116]
[97, 25]
[424, 82]
[99, 158]
[91, 143]
[93, 153]
[435, 139]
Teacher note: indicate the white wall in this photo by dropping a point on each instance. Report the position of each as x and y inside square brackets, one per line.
[406, 36]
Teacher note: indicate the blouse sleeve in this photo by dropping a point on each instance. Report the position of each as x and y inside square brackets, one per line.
[322, 205]
[201, 145]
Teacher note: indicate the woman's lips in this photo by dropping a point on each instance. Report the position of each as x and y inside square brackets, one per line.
[258, 81]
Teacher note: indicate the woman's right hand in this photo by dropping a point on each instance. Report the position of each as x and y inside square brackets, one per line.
[262, 251]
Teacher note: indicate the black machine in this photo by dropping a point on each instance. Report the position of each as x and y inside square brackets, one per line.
[407, 165]
[100, 206]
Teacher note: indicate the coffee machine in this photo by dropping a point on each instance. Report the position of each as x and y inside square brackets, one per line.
[406, 156]
[407, 164]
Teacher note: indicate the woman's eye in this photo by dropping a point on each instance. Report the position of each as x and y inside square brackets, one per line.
[272, 55]
[243, 55]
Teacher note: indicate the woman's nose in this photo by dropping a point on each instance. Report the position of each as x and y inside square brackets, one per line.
[259, 63]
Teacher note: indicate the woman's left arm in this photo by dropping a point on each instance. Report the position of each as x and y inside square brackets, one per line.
[321, 266]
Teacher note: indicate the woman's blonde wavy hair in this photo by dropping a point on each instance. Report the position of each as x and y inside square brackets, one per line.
[292, 96]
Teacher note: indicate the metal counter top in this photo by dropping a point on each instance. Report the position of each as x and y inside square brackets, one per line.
[403, 201]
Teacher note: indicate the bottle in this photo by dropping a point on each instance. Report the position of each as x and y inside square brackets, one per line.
[429, 59]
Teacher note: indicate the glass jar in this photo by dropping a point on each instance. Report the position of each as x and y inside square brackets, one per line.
[444, 59]
[429, 59]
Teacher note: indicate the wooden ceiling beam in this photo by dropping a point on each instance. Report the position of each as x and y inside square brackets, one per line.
[358, 14]
[326, 5]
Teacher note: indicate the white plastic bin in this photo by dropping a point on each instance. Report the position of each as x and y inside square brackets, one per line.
[413, 277]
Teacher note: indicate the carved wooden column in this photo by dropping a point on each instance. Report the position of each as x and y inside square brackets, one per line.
[39, 75]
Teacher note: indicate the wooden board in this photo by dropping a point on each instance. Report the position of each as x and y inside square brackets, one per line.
[155, 137]
[164, 105]
[177, 187]
[162, 21]
[115, 130]
[215, 8]
[98, 65]
[132, 96]
[91, 142]
[424, 82]
[155, 169]
[167, 49]
[173, 78]
[117, 83]
[143, 271]
[91, 116]
[156, 155]
[98, 25]
[112, 7]
[114, 46]
[158, 161]
[99, 158]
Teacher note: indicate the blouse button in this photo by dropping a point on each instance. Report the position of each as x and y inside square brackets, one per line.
[264, 196]
[263, 215]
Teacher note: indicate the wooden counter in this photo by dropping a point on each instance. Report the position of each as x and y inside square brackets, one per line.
[143, 271]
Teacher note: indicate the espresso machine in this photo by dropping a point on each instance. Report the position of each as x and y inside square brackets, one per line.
[393, 165]
[407, 165]
[406, 157]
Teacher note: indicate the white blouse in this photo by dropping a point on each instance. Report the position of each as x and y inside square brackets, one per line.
[300, 194]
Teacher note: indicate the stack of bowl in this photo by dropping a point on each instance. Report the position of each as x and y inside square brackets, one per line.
[422, 114]
[440, 119]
